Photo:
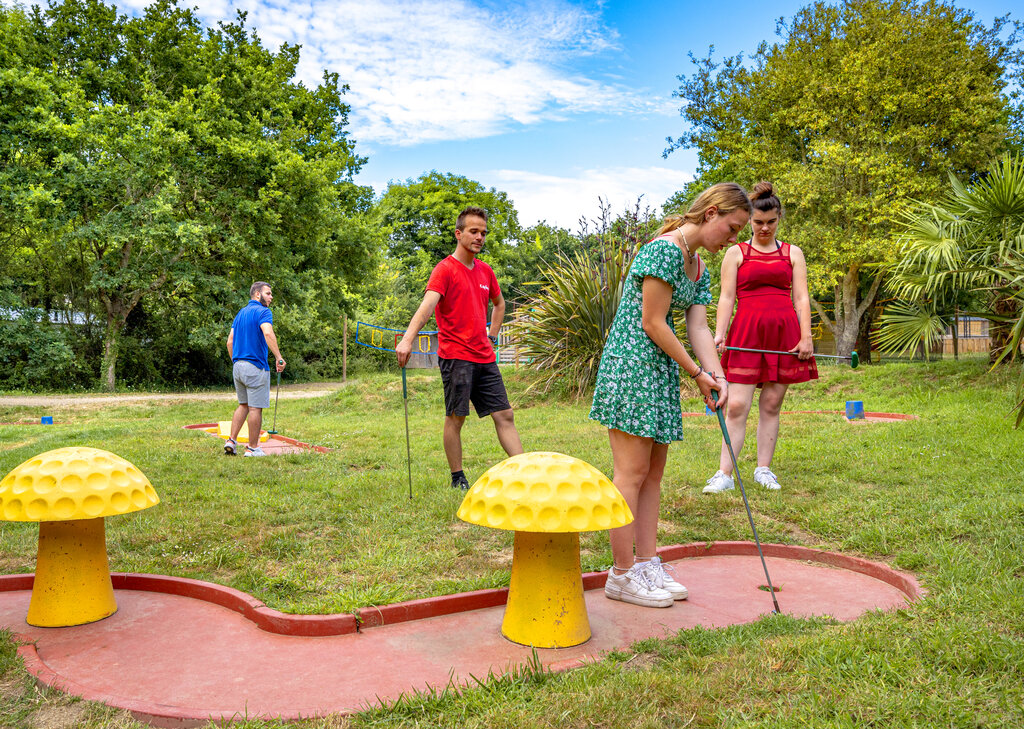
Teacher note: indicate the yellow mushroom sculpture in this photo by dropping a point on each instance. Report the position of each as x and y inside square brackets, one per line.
[69, 491]
[547, 499]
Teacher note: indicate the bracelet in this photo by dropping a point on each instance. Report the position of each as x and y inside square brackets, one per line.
[694, 376]
[721, 377]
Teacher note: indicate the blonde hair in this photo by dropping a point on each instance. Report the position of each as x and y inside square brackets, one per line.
[725, 196]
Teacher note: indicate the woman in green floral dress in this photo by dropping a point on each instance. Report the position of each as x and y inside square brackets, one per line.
[637, 392]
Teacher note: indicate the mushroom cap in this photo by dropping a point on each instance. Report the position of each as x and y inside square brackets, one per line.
[545, 492]
[74, 483]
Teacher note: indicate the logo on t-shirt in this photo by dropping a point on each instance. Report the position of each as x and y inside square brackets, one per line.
[485, 287]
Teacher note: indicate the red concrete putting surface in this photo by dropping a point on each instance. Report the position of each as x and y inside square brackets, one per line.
[179, 652]
[275, 445]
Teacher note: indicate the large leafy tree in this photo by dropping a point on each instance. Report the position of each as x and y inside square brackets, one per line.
[858, 108]
[187, 163]
[418, 218]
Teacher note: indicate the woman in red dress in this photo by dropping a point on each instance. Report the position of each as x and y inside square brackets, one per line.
[768, 279]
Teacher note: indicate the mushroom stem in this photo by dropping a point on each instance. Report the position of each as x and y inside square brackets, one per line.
[545, 607]
[72, 584]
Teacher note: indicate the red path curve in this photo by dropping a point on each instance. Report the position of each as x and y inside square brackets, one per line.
[179, 652]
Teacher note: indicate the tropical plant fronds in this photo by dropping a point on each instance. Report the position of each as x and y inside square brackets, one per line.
[965, 250]
[903, 327]
[565, 326]
[561, 330]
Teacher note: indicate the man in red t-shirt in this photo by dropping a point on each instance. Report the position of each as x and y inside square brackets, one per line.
[457, 294]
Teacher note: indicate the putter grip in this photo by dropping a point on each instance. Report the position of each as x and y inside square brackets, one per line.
[721, 418]
[404, 391]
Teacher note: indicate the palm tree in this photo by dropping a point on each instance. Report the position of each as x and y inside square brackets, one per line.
[564, 326]
[969, 244]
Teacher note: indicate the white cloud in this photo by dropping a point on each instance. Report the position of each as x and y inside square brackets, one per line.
[433, 70]
[562, 199]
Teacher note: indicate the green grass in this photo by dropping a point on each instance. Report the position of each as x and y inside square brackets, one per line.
[941, 496]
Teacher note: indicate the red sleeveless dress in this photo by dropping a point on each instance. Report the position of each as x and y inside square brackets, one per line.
[765, 319]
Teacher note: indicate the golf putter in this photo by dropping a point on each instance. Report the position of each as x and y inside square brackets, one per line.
[273, 431]
[750, 516]
[408, 454]
[853, 356]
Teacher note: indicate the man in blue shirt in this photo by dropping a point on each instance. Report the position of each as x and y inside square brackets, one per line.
[252, 332]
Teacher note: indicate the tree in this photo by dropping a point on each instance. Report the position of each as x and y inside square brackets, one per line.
[520, 264]
[567, 321]
[419, 216]
[191, 163]
[859, 108]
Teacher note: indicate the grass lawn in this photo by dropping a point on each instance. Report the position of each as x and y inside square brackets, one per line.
[942, 496]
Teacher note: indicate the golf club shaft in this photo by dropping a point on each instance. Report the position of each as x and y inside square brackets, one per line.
[774, 351]
[276, 397]
[408, 452]
[750, 516]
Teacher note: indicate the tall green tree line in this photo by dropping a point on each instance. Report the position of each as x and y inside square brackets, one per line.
[858, 108]
[153, 168]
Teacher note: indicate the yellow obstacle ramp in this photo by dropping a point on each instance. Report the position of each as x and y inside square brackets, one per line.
[224, 431]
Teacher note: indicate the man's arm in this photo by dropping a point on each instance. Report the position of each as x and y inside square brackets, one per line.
[497, 317]
[268, 333]
[231, 343]
[426, 310]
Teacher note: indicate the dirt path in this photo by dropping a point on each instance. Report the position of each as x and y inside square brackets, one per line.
[288, 392]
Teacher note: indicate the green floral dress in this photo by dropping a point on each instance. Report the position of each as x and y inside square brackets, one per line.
[637, 383]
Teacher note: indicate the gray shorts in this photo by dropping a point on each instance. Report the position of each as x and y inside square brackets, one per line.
[252, 384]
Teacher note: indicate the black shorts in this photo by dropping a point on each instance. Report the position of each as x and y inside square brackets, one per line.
[471, 381]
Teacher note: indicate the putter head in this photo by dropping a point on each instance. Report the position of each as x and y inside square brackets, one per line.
[854, 359]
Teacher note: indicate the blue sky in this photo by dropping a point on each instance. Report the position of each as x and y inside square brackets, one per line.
[552, 101]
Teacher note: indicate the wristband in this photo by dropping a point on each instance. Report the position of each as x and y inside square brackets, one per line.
[697, 374]
[494, 340]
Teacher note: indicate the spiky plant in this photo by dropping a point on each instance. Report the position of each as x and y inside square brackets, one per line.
[563, 328]
[904, 326]
[561, 331]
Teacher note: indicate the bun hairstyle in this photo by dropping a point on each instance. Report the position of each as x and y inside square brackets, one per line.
[725, 197]
[763, 198]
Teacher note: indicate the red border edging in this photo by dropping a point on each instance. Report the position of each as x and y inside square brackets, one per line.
[275, 436]
[274, 621]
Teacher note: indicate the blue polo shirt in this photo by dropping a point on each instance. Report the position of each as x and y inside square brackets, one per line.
[249, 343]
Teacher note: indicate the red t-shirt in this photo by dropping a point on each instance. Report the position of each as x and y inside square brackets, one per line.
[462, 311]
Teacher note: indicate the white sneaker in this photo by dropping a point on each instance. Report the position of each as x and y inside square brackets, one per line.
[635, 586]
[658, 573]
[254, 451]
[764, 476]
[720, 482]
